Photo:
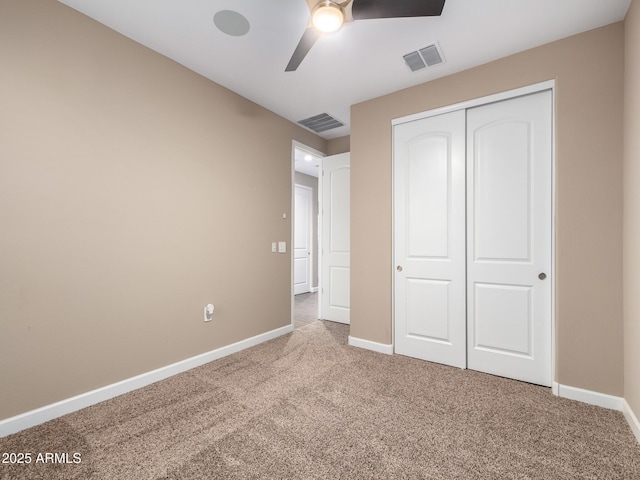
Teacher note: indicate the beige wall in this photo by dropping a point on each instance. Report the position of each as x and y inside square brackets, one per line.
[588, 70]
[312, 182]
[133, 192]
[632, 209]
[338, 145]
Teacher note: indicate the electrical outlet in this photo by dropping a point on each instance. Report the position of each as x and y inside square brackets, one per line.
[208, 312]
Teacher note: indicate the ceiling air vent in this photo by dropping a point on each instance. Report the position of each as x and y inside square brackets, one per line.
[431, 55]
[425, 57]
[321, 123]
[414, 60]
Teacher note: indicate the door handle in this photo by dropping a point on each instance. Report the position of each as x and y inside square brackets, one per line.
[542, 276]
[399, 268]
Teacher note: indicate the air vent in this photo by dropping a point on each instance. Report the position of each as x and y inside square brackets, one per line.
[414, 60]
[425, 57]
[321, 123]
[431, 55]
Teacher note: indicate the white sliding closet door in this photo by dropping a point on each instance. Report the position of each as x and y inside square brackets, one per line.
[430, 239]
[473, 238]
[509, 238]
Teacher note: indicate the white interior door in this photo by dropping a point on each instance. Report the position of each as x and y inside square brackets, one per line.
[302, 239]
[336, 241]
[484, 281]
[429, 213]
[509, 166]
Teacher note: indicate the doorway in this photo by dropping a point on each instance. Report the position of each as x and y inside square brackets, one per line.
[329, 181]
[306, 169]
[473, 237]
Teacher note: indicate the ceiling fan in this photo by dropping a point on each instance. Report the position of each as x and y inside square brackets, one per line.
[328, 16]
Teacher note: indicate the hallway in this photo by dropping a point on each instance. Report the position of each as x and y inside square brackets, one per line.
[306, 309]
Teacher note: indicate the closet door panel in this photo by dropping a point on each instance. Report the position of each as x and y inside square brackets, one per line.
[509, 238]
[429, 242]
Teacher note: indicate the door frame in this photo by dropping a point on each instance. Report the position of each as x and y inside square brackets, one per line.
[506, 95]
[316, 153]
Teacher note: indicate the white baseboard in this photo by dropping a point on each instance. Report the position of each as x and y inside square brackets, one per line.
[602, 400]
[58, 409]
[369, 345]
[632, 420]
[314, 289]
[588, 396]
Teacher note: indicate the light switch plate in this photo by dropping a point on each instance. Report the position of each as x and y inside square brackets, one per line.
[282, 247]
[274, 247]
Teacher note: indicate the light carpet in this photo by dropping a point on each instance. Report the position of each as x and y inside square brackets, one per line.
[308, 406]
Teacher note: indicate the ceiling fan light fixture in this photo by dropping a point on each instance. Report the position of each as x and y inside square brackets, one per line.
[327, 16]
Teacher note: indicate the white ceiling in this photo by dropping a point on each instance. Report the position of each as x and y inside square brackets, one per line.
[306, 162]
[360, 62]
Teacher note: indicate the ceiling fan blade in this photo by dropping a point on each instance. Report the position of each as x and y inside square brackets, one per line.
[367, 9]
[309, 37]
